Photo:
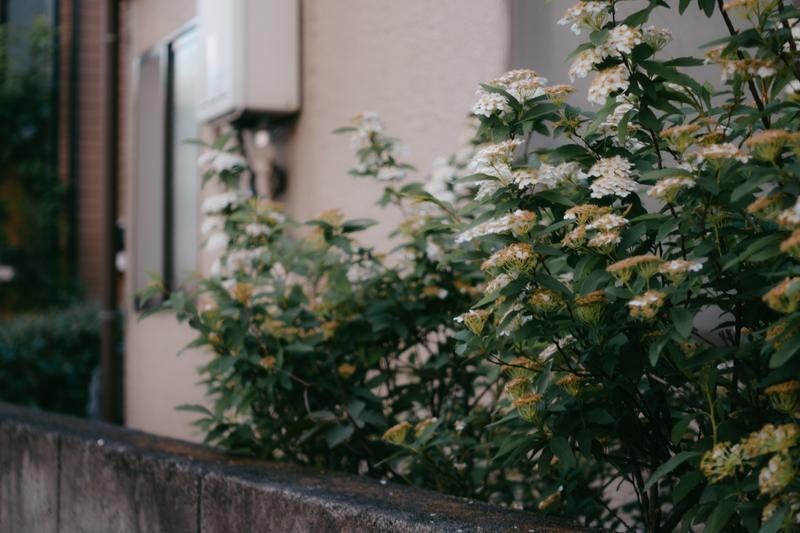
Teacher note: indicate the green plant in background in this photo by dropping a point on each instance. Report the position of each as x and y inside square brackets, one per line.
[34, 268]
[630, 354]
[47, 358]
[49, 343]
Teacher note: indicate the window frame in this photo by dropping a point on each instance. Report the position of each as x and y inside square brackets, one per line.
[163, 51]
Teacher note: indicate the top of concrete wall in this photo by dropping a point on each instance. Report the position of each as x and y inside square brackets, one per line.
[59, 473]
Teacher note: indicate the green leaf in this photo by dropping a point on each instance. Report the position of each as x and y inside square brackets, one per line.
[563, 451]
[707, 6]
[357, 225]
[680, 427]
[674, 462]
[786, 352]
[338, 434]
[683, 320]
[686, 484]
[720, 516]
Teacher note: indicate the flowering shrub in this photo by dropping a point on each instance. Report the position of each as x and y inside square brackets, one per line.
[643, 287]
[629, 356]
[328, 353]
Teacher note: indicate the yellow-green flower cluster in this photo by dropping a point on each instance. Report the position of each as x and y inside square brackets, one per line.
[646, 306]
[645, 265]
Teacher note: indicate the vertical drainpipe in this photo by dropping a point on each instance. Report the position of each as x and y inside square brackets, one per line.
[72, 134]
[110, 357]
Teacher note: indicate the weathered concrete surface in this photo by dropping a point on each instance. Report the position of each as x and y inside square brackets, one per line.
[126, 492]
[28, 480]
[60, 474]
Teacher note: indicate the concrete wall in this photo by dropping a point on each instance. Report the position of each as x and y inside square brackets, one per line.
[416, 62]
[60, 474]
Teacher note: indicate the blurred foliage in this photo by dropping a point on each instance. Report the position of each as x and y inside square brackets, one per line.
[33, 229]
[47, 359]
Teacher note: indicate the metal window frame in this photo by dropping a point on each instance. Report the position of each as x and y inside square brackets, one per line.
[164, 52]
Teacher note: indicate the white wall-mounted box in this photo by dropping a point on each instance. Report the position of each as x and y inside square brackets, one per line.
[250, 59]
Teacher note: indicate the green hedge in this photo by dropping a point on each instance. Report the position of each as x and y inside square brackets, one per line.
[47, 359]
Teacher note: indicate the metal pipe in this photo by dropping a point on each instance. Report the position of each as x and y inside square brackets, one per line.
[110, 354]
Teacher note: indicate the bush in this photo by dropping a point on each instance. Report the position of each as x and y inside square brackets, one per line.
[48, 358]
[636, 346]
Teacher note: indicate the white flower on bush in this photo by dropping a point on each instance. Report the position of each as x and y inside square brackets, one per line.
[367, 125]
[220, 161]
[499, 282]
[493, 159]
[217, 203]
[522, 84]
[519, 222]
[257, 230]
[606, 82]
[554, 176]
[487, 188]
[613, 178]
[217, 242]
[390, 173]
[358, 273]
[657, 38]
[212, 224]
[585, 62]
[622, 39]
[589, 15]
[489, 104]
[442, 176]
[608, 222]
[433, 251]
[714, 152]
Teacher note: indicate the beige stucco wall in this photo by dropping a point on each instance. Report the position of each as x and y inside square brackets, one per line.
[416, 62]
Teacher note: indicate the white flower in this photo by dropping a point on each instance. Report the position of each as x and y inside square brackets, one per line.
[553, 176]
[367, 125]
[713, 152]
[522, 84]
[667, 188]
[621, 40]
[442, 176]
[494, 159]
[604, 240]
[489, 104]
[257, 230]
[519, 222]
[792, 89]
[608, 222]
[433, 251]
[656, 38]
[589, 15]
[217, 203]
[499, 282]
[525, 178]
[390, 173]
[212, 224]
[359, 273]
[585, 61]
[217, 242]
[614, 178]
[220, 161]
[606, 82]
[487, 188]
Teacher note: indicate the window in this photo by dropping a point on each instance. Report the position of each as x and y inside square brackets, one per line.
[166, 180]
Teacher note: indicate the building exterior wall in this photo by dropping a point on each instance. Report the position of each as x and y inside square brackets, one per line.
[416, 62]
